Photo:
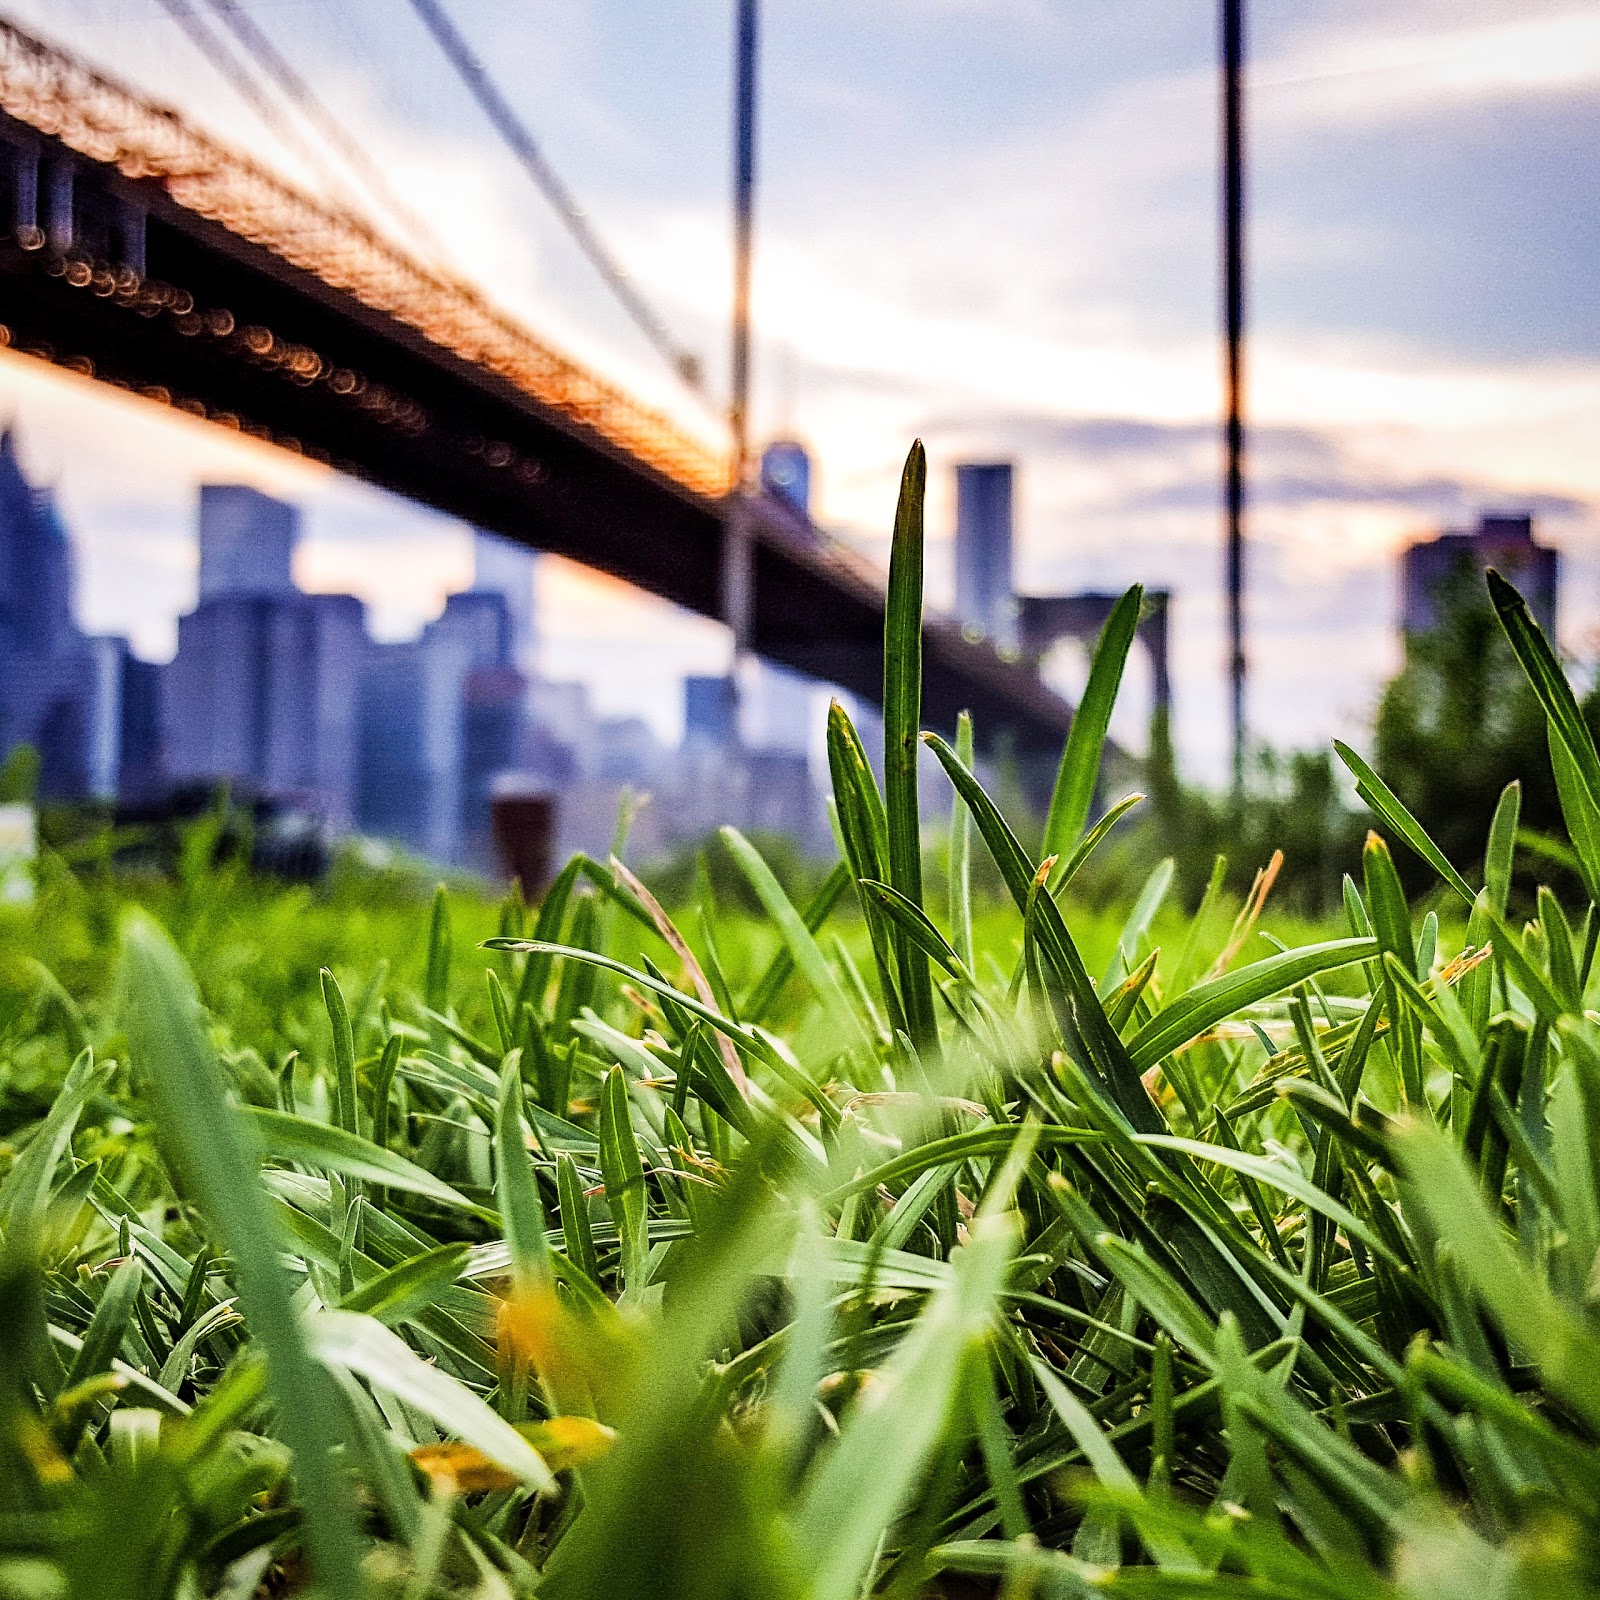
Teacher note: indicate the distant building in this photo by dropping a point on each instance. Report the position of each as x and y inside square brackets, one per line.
[262, 693]
[711, 712]
[61, 691]
[503, 567]
[1505, 543]
[985, 592]
[440, 718]
[247, 542]
[264, 687]
[786, 473]
[778, 713]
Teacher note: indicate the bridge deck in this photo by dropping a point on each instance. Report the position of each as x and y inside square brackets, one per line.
[140, 252]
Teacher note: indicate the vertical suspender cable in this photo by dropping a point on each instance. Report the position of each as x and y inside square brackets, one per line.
[1233, 294]
[744, 190]
[738, 576]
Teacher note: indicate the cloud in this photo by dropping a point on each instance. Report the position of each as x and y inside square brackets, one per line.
[995, 221]
[1338, 76]
[1288, 466]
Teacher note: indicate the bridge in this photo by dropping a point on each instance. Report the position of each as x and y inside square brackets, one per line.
[139, 251]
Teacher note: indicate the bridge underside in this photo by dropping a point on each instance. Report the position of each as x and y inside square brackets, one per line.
[110, 277]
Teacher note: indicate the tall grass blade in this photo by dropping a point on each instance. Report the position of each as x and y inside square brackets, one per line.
[866, 1480]
[1079, 773]
[436, 978]
[802, 945]
[1561, 1344]
[623, 1172]
[1389, 806]
[214, 1160]
[26, 1188]
[1101, 1042]
[332, 1150]
[1207, 1004]
[517, 1188]
[361, 1345]
[1549, 681]
[902, 721]
[960, 866]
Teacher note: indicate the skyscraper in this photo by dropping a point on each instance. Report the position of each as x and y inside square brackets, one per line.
[1505, 543]
[263, 690]
[503, 567]
[247, 542]
[985, 597]
[786, 473]
[710, 711]
[440, 717]
[59, 690]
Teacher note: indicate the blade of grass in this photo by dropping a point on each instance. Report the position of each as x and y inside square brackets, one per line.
[361, 1345]
[902, 718]
[1100, 1040]
[623, 1172]
[778, 970]
[960, 895]
[1549, 681]
[1388, 805]
[1067, 870]
[803, 947]
[212, 1156]
[1210, 1003]
[517, 1188]
[1516, 1295]
[26, 1190]
[865, 1481]
[330, 1149]
[436, 980]
[1079, 772]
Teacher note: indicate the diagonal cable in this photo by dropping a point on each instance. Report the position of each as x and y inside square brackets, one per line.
[272, 62]
[521, 143]
[238, 77]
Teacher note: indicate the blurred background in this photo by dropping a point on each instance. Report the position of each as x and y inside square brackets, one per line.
[991, 224]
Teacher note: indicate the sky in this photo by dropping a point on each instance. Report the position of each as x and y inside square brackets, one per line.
[991, 224]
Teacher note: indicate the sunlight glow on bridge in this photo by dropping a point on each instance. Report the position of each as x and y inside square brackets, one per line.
[105, 121]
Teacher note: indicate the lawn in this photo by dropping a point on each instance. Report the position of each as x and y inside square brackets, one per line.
[362, 1240]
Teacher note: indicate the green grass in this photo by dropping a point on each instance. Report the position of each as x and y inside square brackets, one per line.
[894, 1239]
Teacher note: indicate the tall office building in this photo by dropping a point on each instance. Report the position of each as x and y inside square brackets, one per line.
[985, 593]
[781, 710]
[1505, 543]
[440, 717]
[503, 567]
[710, 711]
[247, 542]
[786, 473]
[60, 691]
[263, 690]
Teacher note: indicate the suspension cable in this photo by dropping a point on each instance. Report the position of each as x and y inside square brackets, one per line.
[521, 144]
[234, 72]
[272, 62]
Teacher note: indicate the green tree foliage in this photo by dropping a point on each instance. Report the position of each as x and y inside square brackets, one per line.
[1294, 802]
[1459, 722]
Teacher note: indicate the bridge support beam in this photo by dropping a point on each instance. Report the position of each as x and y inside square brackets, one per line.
[130, 236]
[58, 205]
[24, 161]
[738, 573]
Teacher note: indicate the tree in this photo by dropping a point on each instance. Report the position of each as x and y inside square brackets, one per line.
[1458, 723]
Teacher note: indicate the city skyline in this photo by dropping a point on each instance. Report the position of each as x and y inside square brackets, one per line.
[285, 698]
[1424, 352]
